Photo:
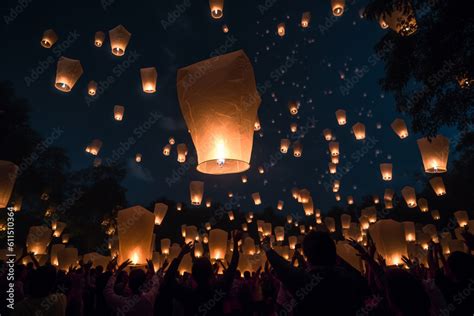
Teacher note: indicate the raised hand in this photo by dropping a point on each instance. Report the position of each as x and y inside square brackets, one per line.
[124, 265]
[187, 248]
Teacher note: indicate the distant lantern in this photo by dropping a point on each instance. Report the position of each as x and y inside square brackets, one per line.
[409, 195]
[293, 107]
[402, 21]
[386, 171]
[438, 186]
[389, 236]
[256, 198]
[135, 232]
[217, 8]
[119, 38]
[305, 19]
[94, 147]
[295, 193]
[284, 145]
[182, 152]
[217, 244]
[423, 205]
[434, 153]
[359, 131]
[198, 250]
[8, 174]
[341, 117]
[196, 190]
[65, 238]
[59, 229]
[336, 185]
[338, 7]
[149, 78]
[167, 150]
[225, 146]
[297, 149]
[400, 128]
[171, 141]
[388, 194]
[231, 215]
[376, 199]
[364, 222]
[293, 127]
[330, 224]
[435, 214]
[230, 194]
[119, 110]
[225, 28]
[371, 213]
[165, 245]
[49, 38]
[334, 148]
[191, 234]
[244, 178]
[292, 241]
[208, 202]
[332, 168]
[345, 221]
[92, 88]
[261, 170]
[257, 126]
[304, 196]
[67, 258]
[308, 207]
[279, 233]
[281, 29]
[208, 226]
[335, 159]
[38, 239]
[302, 229]
[388, 204]
[138, 157]
[350, 199]
[327, 134]
[99, 38]
[160, 212]
[68, 71]
[55, 249]
[462, 218]
[289, 219]
[409, 229]
[280, 205]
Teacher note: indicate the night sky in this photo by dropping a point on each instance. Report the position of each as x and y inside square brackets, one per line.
[328, 66]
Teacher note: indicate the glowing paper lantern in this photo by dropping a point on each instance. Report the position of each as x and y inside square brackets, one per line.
[289, 219]
[345, 221]
[435, 214]
[430, 229]
[305, 18]
[364, 222]
[359, 131]
[308, 207]
[225, 28]
[279, 233]
[135, 231]
[49, 38]
[94, 147]
[434, 154]
[386, 171]
[208, 202]
[8, 174]
[55, 249]
[438, 186]
[261, 170]
[400, 128]
[332, 168]
[389, 238]
[99, 38]
[293, 107]
[58, 230]
[230, 194]
[231, 215]
[462, 218]
[335, 159]
[410, 232]
[330, 224]
[292, 241]
[65, 238]
[67, 257]
[337, 7]
[149, 77]
[304, 196]
[423, 205]
[409, 195]
[119, 38]
[327, 134]
[160, 212]
[295, 193]
[244, 178]
[336, 185]
[334, 148]
[350, 199]
[138, 158]
[38, 239]
[280, 205]
[196, 190]
[341, 117]
[167, 150]
[92, 88]
[191, 234]
[208, 226]
[388, 194]
[267, 229]
[281, 29]
[68, 71]
[182, 152]
[217, 244]
[118, 112]
[376, 199]
[402, 21]
[293, 127]
[220, 109]
[297, 149]
[284, 145]
[217, 8]
[256, 198]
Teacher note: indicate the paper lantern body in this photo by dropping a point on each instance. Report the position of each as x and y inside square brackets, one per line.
[92, 88]
[119, 38]
[334, 148]
[438, 186]
[196, 190]
[332, 168]
[165, 246]
[217, 244]
[182, 152]
[280, 205]
[336, 185]
[293, 107]
[389, 238]
[267, 229]
[297, 149]
[423, 205]
[167, 150]
[386, 171]
[284, 145]
[55, 249]
[345, 221]
[293, 127]
[225, 28]
[281, 30]
[135, 231]
[359, 131]
[220, 110]
[244, 178]
[68, 71]
[94, 147]
[330, 224]
[308, 207]
[305, 19]
[410, 232]
[49, 38]
[118, 112]
[256, 198]
[67, 257]
[435, 214]
[8, 174]
[400, 128]
[388, 194]
[337, 7]
[462, 218]
[99, 38]
[341, 117]
[38, 239]
[327, 134]
[191, 234]
[58, 230]
[434, 154]
[409, 195]
[217, 8]
[280, 233]
[149, 77]
[160, 212]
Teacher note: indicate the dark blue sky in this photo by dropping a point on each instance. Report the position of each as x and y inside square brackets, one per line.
[314, 58]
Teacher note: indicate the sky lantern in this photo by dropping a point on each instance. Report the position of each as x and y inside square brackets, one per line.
[334, 148]
[167, 150]
[431, 230]
[135, 232]
[191, 234]
[327, 134]
[138, 157]
[257, 126]
[400, 128]
[289, 219]
[119, 38]
[208, 202]
[293, 107]
[341, 117]
[410, 232]
[337, 7]
[297, 149]
[423, 205]
[67, 257]
[364, 222]
[279, 233]
[217, 8]
[38, 239]
[198, 250]
[55, 249]
[332, 168]
[345, 221]
[336, 185]
[171, 140]
[207, 226]
[302, 229]
[304, 196]
[462, 218]
[308, 207]
[160, 212]
[292, 241]
[118, 112]
[149, 77]
[94, 147]
[8, 174]
[371, 213]
[65, 238]
[267, 229]
[182, 152]
[305, 19]
[388, 194]
[261, 170]
[225, 28]
[376, 199]
[231, 215]
[245, 227]
[248, 246]
[99, 38]
[196, 190]
[382, 23]
[221, 119]
[295, 193]
[281, 29]
[359, 131]
[244, 178]
[330, 224]
[230, 194]
[58, 230]
[456, 245]
[165, 245]
[435, 214]
[92, 88]
[49, 38]
[402, 21]
[388, 204]
[350, 199]
[409, 195]
[389, 238]
[68, 71]
[293, 127]
[256, 198]
[284, 145]
[386, 171]
[280, 205]
[438, 186]
[335, 159]
[434, 153]
[217, 244]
